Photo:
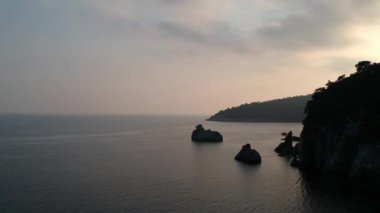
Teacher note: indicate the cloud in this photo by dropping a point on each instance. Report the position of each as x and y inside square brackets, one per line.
[222, 36]
[152, 55]
[196, 21]
[319, 24]
[291, 25]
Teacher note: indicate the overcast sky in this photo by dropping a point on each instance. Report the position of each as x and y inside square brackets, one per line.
[176, 56]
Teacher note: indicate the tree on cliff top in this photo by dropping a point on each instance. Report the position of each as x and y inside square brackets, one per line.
[349, 99]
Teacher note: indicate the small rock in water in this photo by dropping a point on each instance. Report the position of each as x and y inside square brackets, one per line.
[202, 135]
[248, 155]
[285, 148]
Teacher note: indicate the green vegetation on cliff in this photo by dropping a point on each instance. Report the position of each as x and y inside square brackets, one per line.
[289, 109]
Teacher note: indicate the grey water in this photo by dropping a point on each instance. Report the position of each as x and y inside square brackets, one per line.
[149, 164]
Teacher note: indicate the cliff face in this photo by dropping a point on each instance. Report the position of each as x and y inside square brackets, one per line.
[338, 152]
[341, 133]
[327, 149]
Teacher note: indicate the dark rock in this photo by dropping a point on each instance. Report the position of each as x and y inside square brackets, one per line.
[296, 149]
[285, 148]
[248, 155]
[296, 138]
[366, 166]
[295, 162]
[202, 135]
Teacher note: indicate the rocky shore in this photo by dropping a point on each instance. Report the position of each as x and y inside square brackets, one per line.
[286, 148]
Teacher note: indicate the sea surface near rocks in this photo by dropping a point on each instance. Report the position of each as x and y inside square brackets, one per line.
[150, 164]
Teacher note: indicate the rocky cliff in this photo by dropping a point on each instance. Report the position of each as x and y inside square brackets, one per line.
[341, 133]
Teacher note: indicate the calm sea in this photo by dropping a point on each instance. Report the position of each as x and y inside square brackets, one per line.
[149, 164]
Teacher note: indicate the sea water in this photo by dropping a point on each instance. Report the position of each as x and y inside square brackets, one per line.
[149, 164]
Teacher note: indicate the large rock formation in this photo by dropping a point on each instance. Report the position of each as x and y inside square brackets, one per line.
[202, 135]
[341, 133]
[248, 155]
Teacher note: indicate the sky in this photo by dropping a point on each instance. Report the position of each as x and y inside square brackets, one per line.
[175, 56]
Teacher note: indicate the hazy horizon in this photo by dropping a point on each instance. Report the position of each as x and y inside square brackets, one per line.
[102, 114]
[175, 57]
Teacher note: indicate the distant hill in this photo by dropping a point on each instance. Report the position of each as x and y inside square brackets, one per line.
[289, 109]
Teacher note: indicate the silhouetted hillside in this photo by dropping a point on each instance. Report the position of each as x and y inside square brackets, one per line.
[289, 109]
[354, 98]
[341, 133]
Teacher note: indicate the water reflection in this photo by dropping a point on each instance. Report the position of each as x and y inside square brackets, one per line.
[322, 194]
[205, 144]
